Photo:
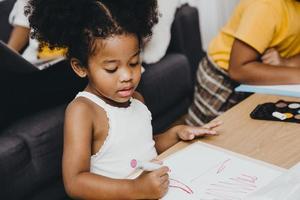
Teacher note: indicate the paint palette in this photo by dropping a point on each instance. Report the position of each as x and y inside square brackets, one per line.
[284, 111]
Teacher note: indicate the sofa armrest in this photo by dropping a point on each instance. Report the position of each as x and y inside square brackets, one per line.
[185, 36]
[30, 153]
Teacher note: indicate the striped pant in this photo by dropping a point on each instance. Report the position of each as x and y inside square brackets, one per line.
[214, 93]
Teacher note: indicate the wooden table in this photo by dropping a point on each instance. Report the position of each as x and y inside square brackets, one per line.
[277, 143]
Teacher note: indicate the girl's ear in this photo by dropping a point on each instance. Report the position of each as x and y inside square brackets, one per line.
[78, 68]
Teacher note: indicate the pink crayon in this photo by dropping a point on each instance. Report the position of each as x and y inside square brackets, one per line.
[146, 166]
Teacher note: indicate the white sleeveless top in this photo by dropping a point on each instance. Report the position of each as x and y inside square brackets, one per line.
[129, 137]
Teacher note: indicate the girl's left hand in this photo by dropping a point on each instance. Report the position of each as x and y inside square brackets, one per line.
[185, 132]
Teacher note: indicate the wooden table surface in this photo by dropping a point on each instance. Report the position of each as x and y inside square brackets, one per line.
[276, 143]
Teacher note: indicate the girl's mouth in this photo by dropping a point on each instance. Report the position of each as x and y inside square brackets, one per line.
[127, 92]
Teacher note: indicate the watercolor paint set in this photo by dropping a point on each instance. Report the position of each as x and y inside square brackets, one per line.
[284, 111]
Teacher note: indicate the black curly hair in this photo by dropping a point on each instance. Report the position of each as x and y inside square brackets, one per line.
[75, 24]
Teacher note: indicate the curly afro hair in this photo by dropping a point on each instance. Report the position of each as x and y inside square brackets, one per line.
[75, 24]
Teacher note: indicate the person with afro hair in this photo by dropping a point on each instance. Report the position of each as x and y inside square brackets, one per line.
[24, 93]
[107, 126]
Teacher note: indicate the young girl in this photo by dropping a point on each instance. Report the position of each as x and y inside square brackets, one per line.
[248, 49]
[107, 125]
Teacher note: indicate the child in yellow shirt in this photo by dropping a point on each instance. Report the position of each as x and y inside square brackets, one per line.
[260, 45]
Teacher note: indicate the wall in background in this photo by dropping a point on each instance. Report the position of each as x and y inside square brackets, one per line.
[213, 15]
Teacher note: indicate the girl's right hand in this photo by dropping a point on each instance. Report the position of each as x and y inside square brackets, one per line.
[153, 185]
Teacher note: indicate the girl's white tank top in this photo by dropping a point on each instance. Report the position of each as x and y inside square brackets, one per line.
[129, 137]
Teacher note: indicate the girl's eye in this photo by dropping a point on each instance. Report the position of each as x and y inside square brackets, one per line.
[134, 64]
[111, 70]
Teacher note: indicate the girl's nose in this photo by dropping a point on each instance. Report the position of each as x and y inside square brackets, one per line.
[126, 74]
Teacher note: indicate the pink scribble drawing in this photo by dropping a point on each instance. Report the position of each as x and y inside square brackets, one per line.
[223, 166]
[220, 196]
[220, 167]
[226, 187]
[177, 184]
[251, 179]
[229, 188]
[232, 188]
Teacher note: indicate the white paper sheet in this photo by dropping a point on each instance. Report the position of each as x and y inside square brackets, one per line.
[204, 172]
[285, 187]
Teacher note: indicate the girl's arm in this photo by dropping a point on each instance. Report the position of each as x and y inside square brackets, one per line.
[80, 183]
[183, 132]
[173, 135]
[245, 67]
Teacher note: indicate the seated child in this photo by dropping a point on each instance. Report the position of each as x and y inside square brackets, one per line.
[107, 125]
[53, 84]
[20, 38]
[243, 52]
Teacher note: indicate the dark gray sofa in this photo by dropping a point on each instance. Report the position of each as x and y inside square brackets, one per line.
[167, 86]
[31, 147]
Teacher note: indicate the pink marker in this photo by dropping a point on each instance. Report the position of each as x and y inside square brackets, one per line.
[146, 166]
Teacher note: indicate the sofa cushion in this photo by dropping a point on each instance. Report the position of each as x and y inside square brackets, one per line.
[169, 79]
[186, 36]
[163, 121]
[30, 153]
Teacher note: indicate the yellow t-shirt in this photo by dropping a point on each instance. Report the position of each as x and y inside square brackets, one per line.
[45, 53]
[262, 24]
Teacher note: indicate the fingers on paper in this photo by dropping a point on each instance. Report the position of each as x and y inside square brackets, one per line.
[198, 131]
[213, 124]
[207, 129]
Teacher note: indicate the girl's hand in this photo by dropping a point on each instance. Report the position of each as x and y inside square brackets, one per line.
[189, 132]
[153, 185]
[272, 57]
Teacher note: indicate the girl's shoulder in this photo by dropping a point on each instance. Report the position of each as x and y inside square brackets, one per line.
[84, 117]
[85, 110]
[79, 103]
